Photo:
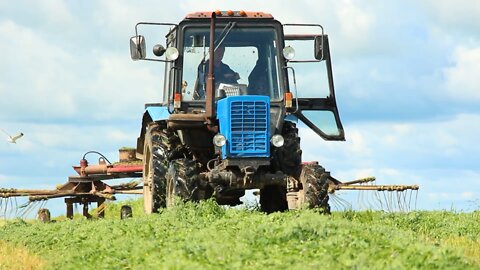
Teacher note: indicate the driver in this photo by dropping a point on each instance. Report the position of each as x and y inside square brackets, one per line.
[222, 72]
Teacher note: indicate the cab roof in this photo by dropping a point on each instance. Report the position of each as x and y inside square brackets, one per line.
[229, 14]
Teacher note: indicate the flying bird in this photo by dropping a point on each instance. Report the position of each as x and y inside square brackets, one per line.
[13, 139]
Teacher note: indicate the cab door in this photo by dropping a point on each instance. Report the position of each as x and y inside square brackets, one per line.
[314, 103]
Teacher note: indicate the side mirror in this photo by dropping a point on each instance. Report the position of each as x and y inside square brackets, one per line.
[137, 48]
[321, 47]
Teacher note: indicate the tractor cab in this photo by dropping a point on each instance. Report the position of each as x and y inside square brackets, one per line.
[245, 61]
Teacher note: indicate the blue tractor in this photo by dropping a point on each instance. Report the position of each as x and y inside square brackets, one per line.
[227, 121]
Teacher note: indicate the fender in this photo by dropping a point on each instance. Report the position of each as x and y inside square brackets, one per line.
[157, 113]
[151, 114]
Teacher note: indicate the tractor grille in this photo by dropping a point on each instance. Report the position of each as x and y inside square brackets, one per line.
[249, 127]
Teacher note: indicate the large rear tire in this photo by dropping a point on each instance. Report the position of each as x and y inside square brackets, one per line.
[155, 161]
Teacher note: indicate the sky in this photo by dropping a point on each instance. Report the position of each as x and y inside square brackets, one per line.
[406, 77]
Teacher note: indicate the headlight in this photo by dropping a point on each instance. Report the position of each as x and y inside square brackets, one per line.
[219, 140]
[171, 54]
[288, 53]
[277, 140]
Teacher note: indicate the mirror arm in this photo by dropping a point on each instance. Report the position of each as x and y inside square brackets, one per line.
[139, 48]
[304, 61]
[157, 60]
[151, 23]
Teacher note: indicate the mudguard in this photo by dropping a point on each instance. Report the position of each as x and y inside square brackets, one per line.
[158, 113]
[152, 114]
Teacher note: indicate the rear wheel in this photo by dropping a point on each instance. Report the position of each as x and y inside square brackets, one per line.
[314, 190]
[154, 169]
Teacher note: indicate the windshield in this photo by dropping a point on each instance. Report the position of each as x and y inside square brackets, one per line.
[245, 62]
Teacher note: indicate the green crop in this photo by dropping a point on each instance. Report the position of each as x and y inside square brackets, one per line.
[208, 236]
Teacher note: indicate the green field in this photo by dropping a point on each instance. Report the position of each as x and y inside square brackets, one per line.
[207, 236]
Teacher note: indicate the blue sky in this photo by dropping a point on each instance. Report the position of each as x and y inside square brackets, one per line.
[406, 75]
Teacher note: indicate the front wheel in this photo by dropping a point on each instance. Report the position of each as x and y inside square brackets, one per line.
[288, 158]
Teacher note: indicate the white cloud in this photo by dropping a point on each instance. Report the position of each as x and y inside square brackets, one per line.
[462, 80]
[57, 7]
[48, 140]
[435, 155]
[390, 172]
[431, 154]
[403, 129]
[358, 144]
[121, 136]
[438, 196]
[462, 198]
[32, 69]
[455, 16]
[63, 81]
[119, 17]
[122, 87]
[363, 173]
[355, 22]
[467, 195]
[283, 10]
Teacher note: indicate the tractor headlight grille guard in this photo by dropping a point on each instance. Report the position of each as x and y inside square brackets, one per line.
[245, 122]
[249, 127]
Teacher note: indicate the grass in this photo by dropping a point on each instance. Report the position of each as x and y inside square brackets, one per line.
[459, 231]
[207, 236]
[471, 248]
[14, 257]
